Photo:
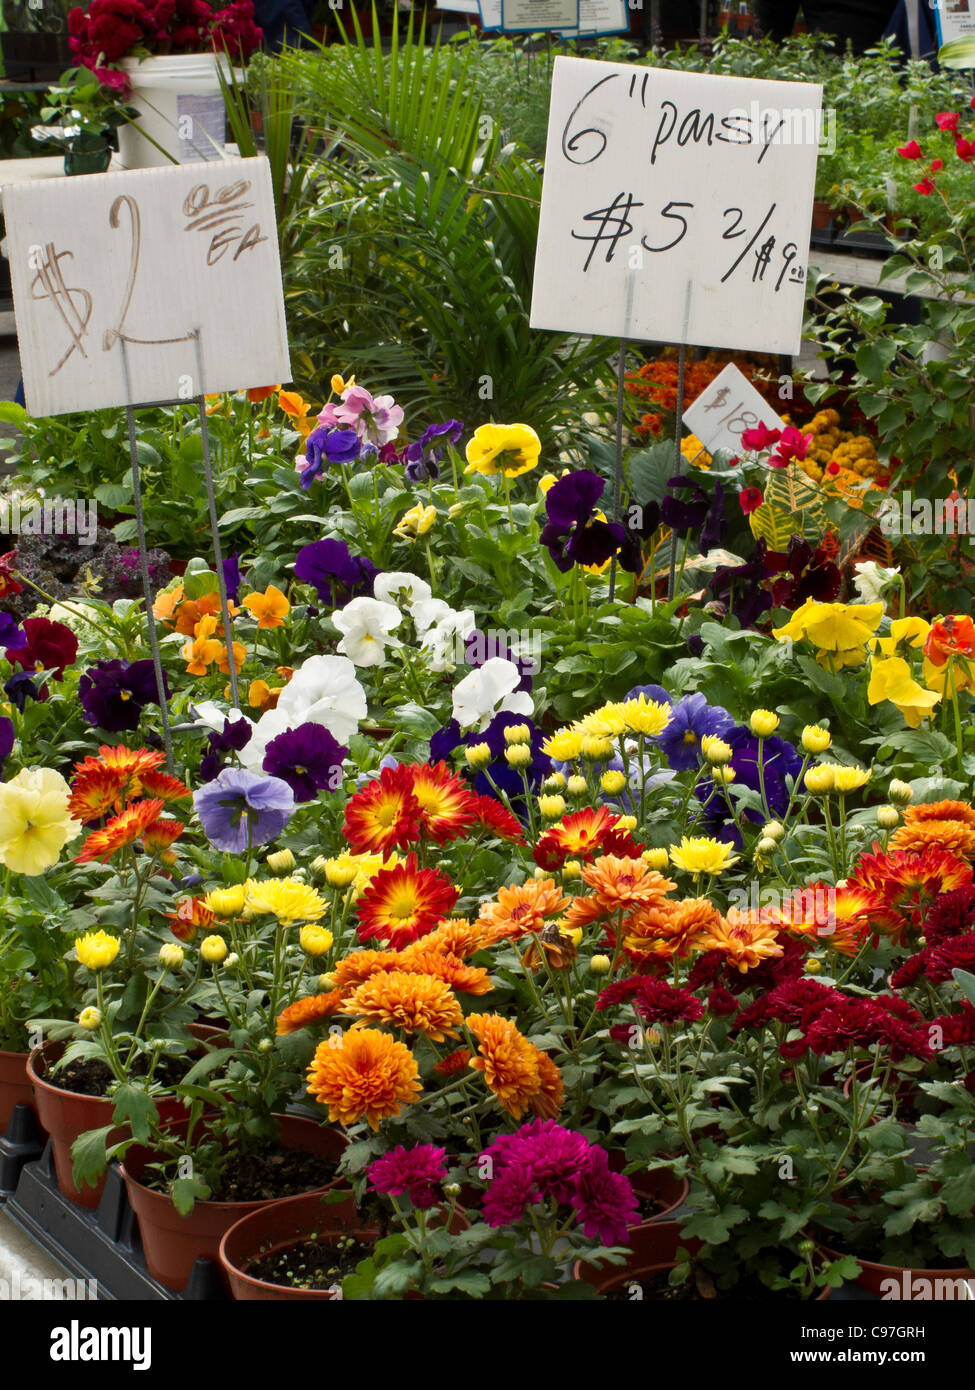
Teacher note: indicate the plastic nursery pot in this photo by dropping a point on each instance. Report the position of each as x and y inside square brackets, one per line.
[654, 1248]
[904, 1282]
[66, 1115]
[172, 1243]
[277, 1226]
[15, 1085]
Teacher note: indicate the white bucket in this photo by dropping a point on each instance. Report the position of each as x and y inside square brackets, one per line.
[182, 110]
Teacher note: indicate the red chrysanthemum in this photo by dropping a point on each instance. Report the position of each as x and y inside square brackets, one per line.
[404, 903]
[582, 835]
[120, 831]
[384, 814]
[190, 914]
[906, 884]
[491, 815]
[106, 783]
[950, 915]
[446, 806]
[865, 1023]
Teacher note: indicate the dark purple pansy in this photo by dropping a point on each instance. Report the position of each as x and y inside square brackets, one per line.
[573, 535]
[328, 445]
[113, 694]
[739, 587]
[308, 758]
[236, 734]
[6, 737]
[423, 457]
[19, 688]
[337, 574]
[231, 577]
[10, 634]
[779, 760]
[701, 511]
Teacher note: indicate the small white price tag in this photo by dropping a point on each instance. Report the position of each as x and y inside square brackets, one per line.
[728, 407]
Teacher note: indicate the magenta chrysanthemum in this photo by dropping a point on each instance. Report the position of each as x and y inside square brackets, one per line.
[418, 1173]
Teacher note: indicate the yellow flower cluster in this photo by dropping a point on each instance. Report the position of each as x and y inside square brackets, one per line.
[593, 735]
[853, 453]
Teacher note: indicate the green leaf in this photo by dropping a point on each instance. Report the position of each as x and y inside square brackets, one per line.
[114, 495]
[466, 1281]
[135, 1105]
[397, 1278]
[200, 582]
[89, 1154]
[186, 1192]
[966, 983]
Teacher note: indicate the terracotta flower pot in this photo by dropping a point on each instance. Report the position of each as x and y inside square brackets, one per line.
[277, 1226]
[903, 1282]
[66, 1115]
[654, 1247]
[659, 1185]
[170, 1242]
[15, 1085]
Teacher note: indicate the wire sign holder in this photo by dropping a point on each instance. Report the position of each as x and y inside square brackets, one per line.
[147, 289]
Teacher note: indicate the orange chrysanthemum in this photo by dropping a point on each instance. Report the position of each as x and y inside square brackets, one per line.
[162, 786]
[368, 1076]
[360, 965]
[453, 1063]
[120, 831]
[839, 917]
[190, 914]
[404, 903]
[905, 884]
[508, 1061]
[313, 1009]
[955, 836]
[105, 783]
[94, 794]
[384, 814]
[746, 940]
[651, 932]
[414, 1003]
[158, 836]
[547, 1101]
[420, 959]
[446, 806]
[940, 810]
[456, 936]
[621, 884]
[520, 909]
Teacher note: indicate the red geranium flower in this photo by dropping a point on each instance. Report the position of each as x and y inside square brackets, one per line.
[948, 120]
[912, 150]
[751, 499]
[925, 187]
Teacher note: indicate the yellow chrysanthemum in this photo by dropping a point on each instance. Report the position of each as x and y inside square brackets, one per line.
[701, 855]
[287, 899]
[96, 949]
[643, 716]
[563, 745]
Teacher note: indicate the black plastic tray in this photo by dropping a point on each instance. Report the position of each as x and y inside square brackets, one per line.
[101, 1244]
[22, 1141]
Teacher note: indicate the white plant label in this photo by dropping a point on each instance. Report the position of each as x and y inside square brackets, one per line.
[530, 16]
[728, 407]
[147, 285]
[676, 207]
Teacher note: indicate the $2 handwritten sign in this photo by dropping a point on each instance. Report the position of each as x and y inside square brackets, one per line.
[676, 207]
[179, 264]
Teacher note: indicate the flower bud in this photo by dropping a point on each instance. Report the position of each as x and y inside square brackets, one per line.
[774, 830]
[554, 782]
[282, 861]
[90, 1018]
[552, 807]
[613, 781]
[765, 846]
[657, 858]
[816, 739]
[265, 1045]
[715, 750]
[479, 755]
[572, 869]
[326, 982]
[232, 961]
[517, 733]
[723, 776]
[339, 875]
[315, 940]
[577, 786]
[451, 1189]
[900, 792]
[226, 902]
[626, 822]
[171, 956]
[888, 817]
[819, 780]
[518, 755]
[763, 723]
[214, 950]
[596, 748]
[600, 965]
[813, 965]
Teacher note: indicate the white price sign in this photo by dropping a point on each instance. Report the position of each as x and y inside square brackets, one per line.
[148, 285]
[531, 16]
[729, 406]
[676, 206]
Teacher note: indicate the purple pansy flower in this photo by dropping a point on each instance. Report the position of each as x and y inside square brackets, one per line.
[333, 445]
[113, 694]
[10, 634]
[702, 511]
[573, 535]
[19, 688]
[337, 574]
[240, 810]
[423, 457]
[779, 760]
[231, 577]
[6, 737]
[690, 719]
[236, 735]
[307, 758]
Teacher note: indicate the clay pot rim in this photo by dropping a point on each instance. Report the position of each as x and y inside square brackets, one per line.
[39, 1054]
[366, 1235]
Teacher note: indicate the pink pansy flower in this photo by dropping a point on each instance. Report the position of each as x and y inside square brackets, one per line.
[376, 420]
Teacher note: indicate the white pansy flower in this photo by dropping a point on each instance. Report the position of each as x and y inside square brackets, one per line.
[211, 714]
[429, 611]
[399, 587]
[872, 580]
[487, 691]
[366, 624]
[443, 643]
